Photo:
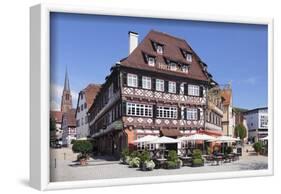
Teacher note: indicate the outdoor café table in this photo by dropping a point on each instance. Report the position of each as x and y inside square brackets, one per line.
[185, 159]
[218, 159]
[160, 162]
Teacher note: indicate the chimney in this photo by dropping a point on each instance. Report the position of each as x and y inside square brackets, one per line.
[133, 41]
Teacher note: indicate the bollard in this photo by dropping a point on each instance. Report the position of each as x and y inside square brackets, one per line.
[55, 163]
[64, 154]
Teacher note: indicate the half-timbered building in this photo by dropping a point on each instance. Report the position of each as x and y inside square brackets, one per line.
[159, 89]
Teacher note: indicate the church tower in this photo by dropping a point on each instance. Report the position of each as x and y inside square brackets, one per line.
[66, 100]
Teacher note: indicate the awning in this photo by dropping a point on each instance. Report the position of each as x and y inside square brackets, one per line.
[170, 132]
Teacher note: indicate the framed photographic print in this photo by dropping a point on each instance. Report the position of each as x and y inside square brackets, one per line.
[118, 95]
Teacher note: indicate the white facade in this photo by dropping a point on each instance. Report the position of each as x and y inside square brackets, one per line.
[257, 123]
[81, 117]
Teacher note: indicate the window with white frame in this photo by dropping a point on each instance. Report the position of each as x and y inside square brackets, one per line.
[159, 49]
[184, 69]
[146, 82]
[172, 87]
[182, 88]
[167, 112]
[172, 66]
[189, 57]
[140, 146]
[191, 114]
[132, 80]
[263, 121]
[143, 110]
[151, 61]
[160, 85]
[193, 90]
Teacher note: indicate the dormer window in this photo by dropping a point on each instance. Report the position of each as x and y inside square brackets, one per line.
[184, 68]
[159, 49]
[151, 61]
[189, 57]
[173, 66]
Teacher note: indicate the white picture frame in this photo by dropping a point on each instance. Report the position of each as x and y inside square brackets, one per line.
[40, 92]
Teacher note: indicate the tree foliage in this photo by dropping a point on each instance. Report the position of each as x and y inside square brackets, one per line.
[52, 124]
[82, 146]
[240, 131]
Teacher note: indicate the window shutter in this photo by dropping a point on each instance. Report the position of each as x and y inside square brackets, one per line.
[184, 114]
[179, 112]
[186, 89]
[153, 84]
[201, 91]
[124, 108]
[140, 81]
[154, 111]
[177, 88]
[124, 79]
[166, 86]
[198, 114]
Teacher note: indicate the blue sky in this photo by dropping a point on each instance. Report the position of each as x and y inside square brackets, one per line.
[88, 45]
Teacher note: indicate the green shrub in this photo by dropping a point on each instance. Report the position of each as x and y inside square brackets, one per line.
[197, 154]
[257, 147]
[83, 147]
[171, 165]
[134, 162]
[149, 165]
[197, 162]
[229, 150]
[144, 156]
[172, 156]
[135, 154]
[73, 141]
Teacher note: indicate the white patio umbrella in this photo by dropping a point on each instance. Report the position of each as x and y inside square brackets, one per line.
[164, 140]
[146, 139]
[264, 138]
[199, 137]
[225, 139]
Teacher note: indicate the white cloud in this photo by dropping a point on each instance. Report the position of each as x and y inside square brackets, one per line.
[56, 93]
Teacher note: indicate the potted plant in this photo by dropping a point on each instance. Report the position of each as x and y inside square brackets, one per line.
[257, 147]
[144, 157]
[125, 156]
[173, 161]
[197, 159]
[83, 147]
[134, 162]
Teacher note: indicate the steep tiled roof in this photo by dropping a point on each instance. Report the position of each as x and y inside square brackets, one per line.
[90, 93]
[227, 95]
[70, 117]
[173, 47]
[57, 115]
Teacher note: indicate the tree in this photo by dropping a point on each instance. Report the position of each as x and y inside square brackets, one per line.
[83, 147]
[240, 131]
[52, 124]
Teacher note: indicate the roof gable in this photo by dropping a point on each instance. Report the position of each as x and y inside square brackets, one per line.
[172, 50]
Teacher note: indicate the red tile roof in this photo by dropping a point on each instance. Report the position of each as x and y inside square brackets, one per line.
[57, 115]
[70, 117]
[90, 93]
[226, 94]
[172, 50]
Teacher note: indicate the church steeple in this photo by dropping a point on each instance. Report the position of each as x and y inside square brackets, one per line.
[66, 99]
[66, 82]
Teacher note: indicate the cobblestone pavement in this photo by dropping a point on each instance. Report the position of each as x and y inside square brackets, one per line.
[105, 168]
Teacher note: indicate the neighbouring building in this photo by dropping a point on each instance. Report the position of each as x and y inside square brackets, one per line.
[57, 135]
[214, 112]
[85, 101]
[257, 122]
[228, 120]
[240, 119]
[64, 118]
[159, 89]
[68, 127]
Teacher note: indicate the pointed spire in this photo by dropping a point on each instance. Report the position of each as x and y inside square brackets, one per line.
[66, 82]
